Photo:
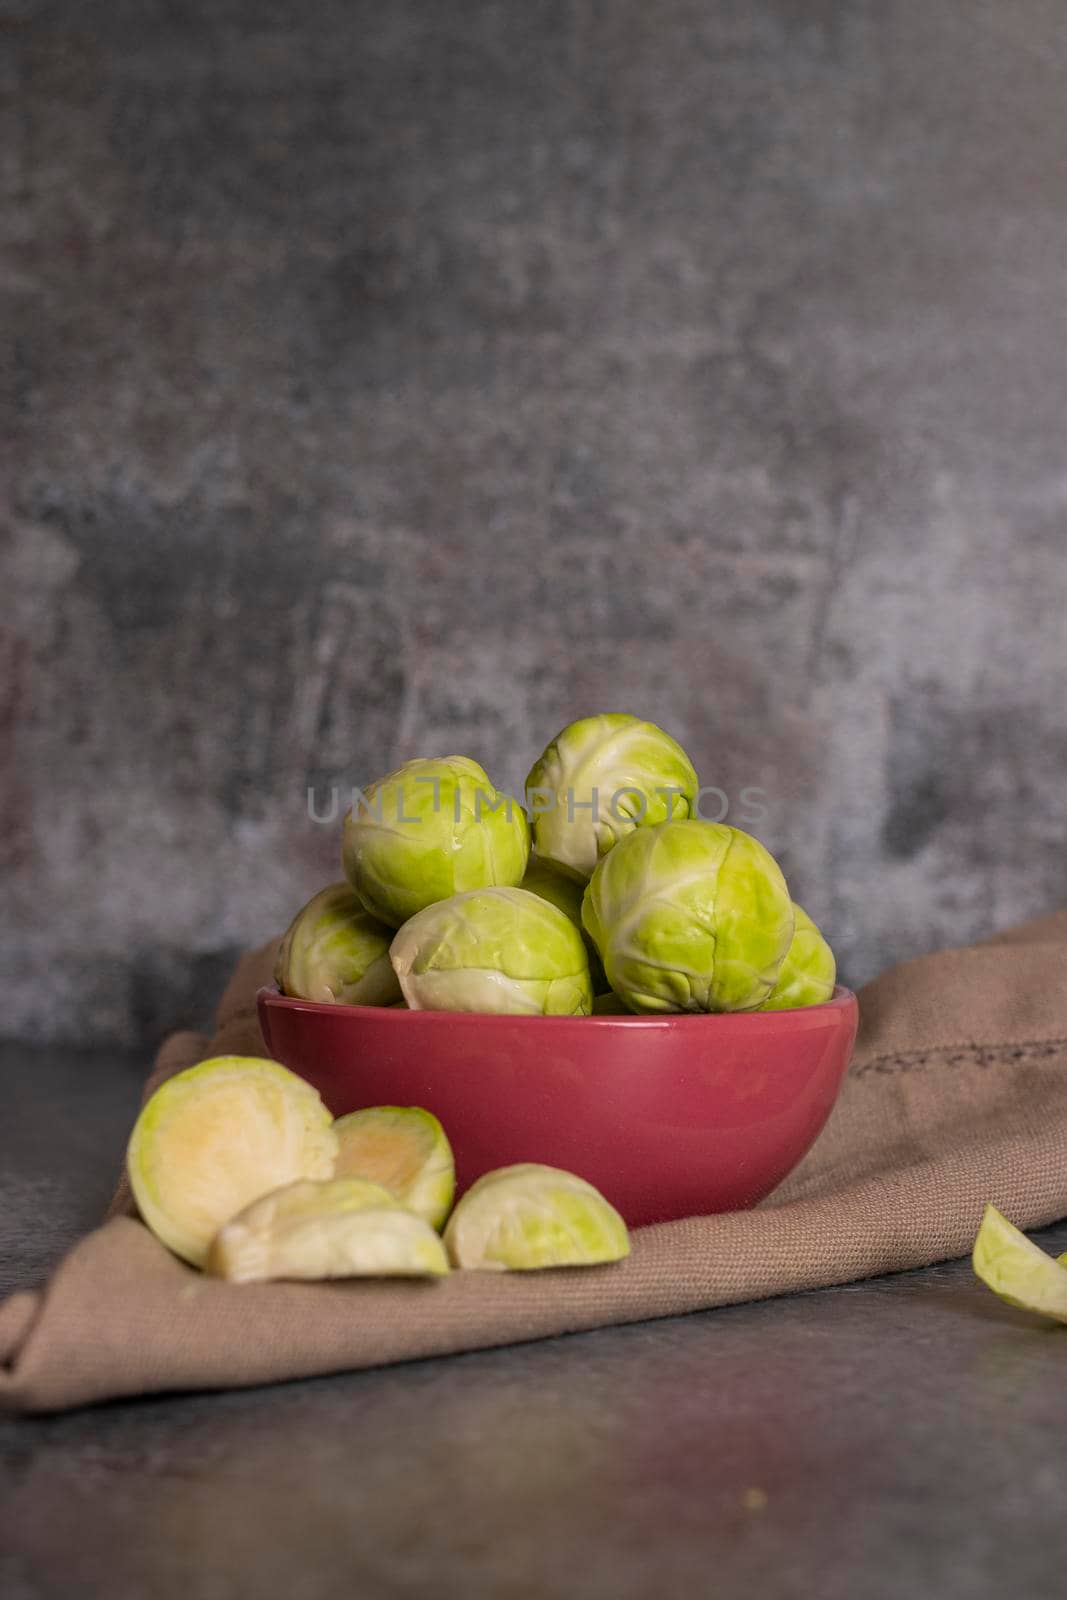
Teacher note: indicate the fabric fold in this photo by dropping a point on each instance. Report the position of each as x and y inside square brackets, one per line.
[957, 1095]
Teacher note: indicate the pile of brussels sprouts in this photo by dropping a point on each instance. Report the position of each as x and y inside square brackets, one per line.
[602, 891]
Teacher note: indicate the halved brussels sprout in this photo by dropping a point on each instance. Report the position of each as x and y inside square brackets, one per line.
[406, 1149]
[217, 1136]
[529, 1216]
[503, 950]
[690, 916]
[1017, 1269]
[807, 974]
[430, 830]
[341, 1228]
[336, 951]
[597, 781]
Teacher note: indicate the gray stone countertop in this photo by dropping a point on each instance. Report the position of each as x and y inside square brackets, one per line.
[897, 1438]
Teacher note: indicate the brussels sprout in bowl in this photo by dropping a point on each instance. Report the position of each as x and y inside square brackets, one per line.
[598, 780]
[431, 829]
[690, 916]
[493, 950]
[335, 951]
[668, 1115]
[639, 1002]
[807, 975]
[566, 894]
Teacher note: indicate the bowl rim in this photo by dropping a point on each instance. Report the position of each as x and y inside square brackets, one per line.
[842, 1000]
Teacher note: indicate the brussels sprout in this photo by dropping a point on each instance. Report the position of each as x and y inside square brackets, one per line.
[690, 916]
[1018, 1270]
[504, 950]
[406, 1149]
[601, 778]
[429, 830]
[806, 976]
[335, 950]
[217, 1136]
[566, 894]
[529, 1216]
[340, 1228]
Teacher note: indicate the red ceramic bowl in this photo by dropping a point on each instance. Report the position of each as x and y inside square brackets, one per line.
[670, 1116]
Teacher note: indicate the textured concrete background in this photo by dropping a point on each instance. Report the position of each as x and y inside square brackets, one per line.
[403, 379]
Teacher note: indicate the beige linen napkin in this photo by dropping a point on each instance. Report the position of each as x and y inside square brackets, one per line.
[957, 1095]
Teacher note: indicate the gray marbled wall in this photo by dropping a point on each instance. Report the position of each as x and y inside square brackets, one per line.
[411, 378]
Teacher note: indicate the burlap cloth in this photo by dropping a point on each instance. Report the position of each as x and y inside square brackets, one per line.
[957, 1095]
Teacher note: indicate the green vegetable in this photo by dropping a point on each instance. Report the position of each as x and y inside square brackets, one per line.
[406, 1149]
[216, 1137]
[598, 780]
[503, 950]
[1017, 1270]
[808, 971]
[566, 894]
[528, 1216]
[335, 950]
[562, 892]
[339, 1228]
[430, 830]
[690, 916]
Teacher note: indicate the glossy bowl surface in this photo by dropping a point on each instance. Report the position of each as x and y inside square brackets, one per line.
[669, 1116]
